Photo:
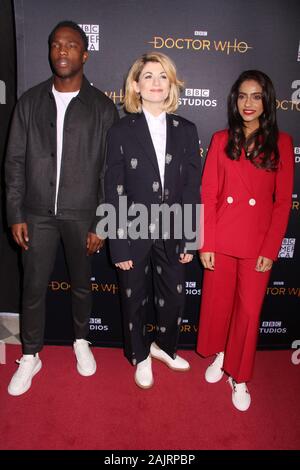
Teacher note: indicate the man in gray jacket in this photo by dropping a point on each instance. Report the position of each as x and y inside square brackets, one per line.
[54, 176]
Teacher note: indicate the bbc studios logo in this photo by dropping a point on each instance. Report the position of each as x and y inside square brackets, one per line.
[272, 327]
[191, 288]
[297, 154]
[97, 325]
[198, 97]
[92, 32]
[287, 248]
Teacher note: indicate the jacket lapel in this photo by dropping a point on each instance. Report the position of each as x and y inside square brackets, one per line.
[244, 172]
[140, 128]
[172, 146]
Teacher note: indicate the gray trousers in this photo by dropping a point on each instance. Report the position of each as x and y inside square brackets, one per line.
[38, 262]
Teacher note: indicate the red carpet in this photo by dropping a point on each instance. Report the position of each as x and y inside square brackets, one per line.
[63, 410]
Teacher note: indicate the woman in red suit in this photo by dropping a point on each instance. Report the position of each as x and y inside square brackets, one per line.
[246, 191]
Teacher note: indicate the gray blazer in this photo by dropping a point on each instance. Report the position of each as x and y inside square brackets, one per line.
[30, 167]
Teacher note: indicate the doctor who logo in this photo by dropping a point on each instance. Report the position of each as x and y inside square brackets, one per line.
[201, 45]
[185, 327]
[295, 202]
[101, 288]
[92, 32]
[282, 291]
[116, 95]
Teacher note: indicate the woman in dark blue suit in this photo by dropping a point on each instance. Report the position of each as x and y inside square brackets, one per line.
[153, 160]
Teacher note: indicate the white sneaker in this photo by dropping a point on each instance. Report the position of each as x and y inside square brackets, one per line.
[214, 372]
[86, 364]
[29, 365]
[178, 364]
[240, 395]
[143, 375]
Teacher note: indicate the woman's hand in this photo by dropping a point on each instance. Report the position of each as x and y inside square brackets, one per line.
[185, 258]
[208, 260]
[125, 265]
[263, 264]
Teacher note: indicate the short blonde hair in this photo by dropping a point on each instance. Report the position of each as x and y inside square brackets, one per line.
[132, 100]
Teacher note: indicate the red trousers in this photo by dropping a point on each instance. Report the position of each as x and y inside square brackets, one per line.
[232, 297]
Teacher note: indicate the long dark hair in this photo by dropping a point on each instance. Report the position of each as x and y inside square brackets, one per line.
[262, 143]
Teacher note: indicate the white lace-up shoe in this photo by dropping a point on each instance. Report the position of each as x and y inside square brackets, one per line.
[86, 364]
[178, 364]
[143, 375]
[240, 395]
[29, 365]
[214, 372]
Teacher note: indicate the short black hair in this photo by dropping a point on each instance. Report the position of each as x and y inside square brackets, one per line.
[71, 25]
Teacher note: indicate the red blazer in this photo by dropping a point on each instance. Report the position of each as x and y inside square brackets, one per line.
[246, 209]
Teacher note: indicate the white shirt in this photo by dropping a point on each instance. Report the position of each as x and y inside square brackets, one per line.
[158, 131]
[62, 100]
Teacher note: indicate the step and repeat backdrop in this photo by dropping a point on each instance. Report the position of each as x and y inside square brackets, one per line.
[211, 42]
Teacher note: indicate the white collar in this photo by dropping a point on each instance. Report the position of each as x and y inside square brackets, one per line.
[160, 118]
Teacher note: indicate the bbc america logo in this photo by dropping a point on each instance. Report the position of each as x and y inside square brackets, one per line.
[92, 32]
[287, 248]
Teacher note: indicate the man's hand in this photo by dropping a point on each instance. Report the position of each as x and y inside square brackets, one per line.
[125, 265]
[185, 258]
[208, 260]
[263, 264]
[93, 243]
[20, 235]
